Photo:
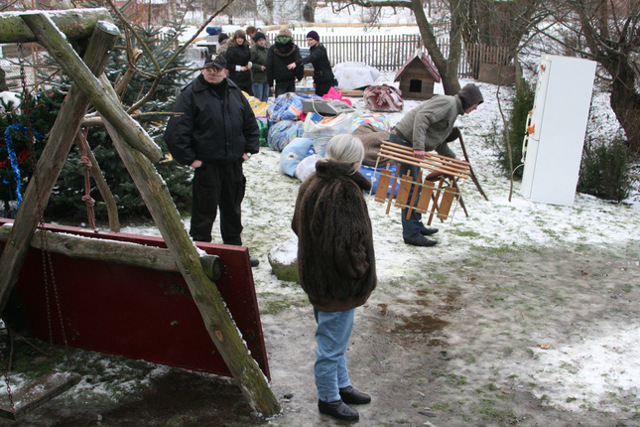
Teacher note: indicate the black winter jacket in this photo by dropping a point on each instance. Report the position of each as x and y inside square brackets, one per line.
[211, 129]
[320, 61]
[336, 260]
[239, 55]
[278, 57]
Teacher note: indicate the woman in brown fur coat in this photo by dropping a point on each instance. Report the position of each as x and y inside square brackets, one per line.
[336, 265]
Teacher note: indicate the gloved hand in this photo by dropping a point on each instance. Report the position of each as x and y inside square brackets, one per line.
[455, 134]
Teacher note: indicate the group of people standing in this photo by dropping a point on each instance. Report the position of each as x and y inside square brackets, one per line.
[255, 67]
[214, 131]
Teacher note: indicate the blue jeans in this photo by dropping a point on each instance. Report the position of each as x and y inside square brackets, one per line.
[261, 91]
[410, 227]
[332, 337]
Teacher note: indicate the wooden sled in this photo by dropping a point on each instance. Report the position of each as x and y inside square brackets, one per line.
[437, 198]
[141, 312]
[37, 393]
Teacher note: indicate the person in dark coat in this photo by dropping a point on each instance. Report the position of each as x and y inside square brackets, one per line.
[238, 58]
[323, 78]
[215, 134]
[336, 265]
[223, 43]
[428, 127]
[284, 63]
[259, 67]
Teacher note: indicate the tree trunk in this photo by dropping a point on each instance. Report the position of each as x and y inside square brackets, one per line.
[447, 67]
[50, 164]
[625, 102]
[308, 11]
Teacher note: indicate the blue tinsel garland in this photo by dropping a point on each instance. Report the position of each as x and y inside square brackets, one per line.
[12, 155]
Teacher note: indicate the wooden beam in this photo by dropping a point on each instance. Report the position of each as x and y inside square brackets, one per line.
[50, 164]
[217, 320]
[74, 23]
[107, 104]
[114, 251]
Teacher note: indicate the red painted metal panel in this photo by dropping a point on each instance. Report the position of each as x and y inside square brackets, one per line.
[138, 312]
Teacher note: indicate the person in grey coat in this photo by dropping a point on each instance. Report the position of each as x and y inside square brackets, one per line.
[427, 128]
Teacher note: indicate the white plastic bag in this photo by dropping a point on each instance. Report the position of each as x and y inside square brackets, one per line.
[321, 129]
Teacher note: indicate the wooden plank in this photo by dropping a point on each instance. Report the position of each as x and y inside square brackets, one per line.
[446, 201]
[113, 251]
[37, 393]
[434, 162]
[425, 197]
[384, 179]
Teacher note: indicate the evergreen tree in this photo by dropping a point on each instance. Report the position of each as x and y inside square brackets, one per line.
[66, 203]
[16, 151]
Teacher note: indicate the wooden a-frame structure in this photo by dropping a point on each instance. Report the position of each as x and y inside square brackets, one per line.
[52, 30]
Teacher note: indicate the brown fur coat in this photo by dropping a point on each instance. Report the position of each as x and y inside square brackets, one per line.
[336, 261]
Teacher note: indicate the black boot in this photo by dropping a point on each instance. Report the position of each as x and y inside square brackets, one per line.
[353, 396]
[339, 410]
[427, 231]
[421, 241]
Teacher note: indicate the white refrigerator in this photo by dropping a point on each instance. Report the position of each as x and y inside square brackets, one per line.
[556, 129]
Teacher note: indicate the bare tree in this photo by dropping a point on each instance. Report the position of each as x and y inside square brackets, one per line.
[503, 23]
[608, 32]
[308, 11]
[447, 66]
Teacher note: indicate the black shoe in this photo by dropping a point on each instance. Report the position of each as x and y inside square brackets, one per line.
[426, 231]
[338, 409]
[421, 241]
[254, 262]
[353, 396]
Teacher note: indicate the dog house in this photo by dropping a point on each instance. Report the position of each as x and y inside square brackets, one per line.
[417, 76]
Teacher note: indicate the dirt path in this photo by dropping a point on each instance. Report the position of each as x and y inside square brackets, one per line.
[463, 347]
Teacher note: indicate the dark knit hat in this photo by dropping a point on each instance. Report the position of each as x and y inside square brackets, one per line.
[219, 62]
[313, 35]
[222, 37]
[470, 95]
[259, 35]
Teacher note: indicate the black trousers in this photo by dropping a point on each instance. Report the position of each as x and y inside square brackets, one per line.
[218, 186]
[285, 86]
[323, 87]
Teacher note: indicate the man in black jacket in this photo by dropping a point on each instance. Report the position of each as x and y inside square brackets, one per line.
[216, 132]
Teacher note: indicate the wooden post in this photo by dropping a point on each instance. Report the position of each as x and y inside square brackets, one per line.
[216, 318]
[50, 164]
[108, 105]
[74, 23]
